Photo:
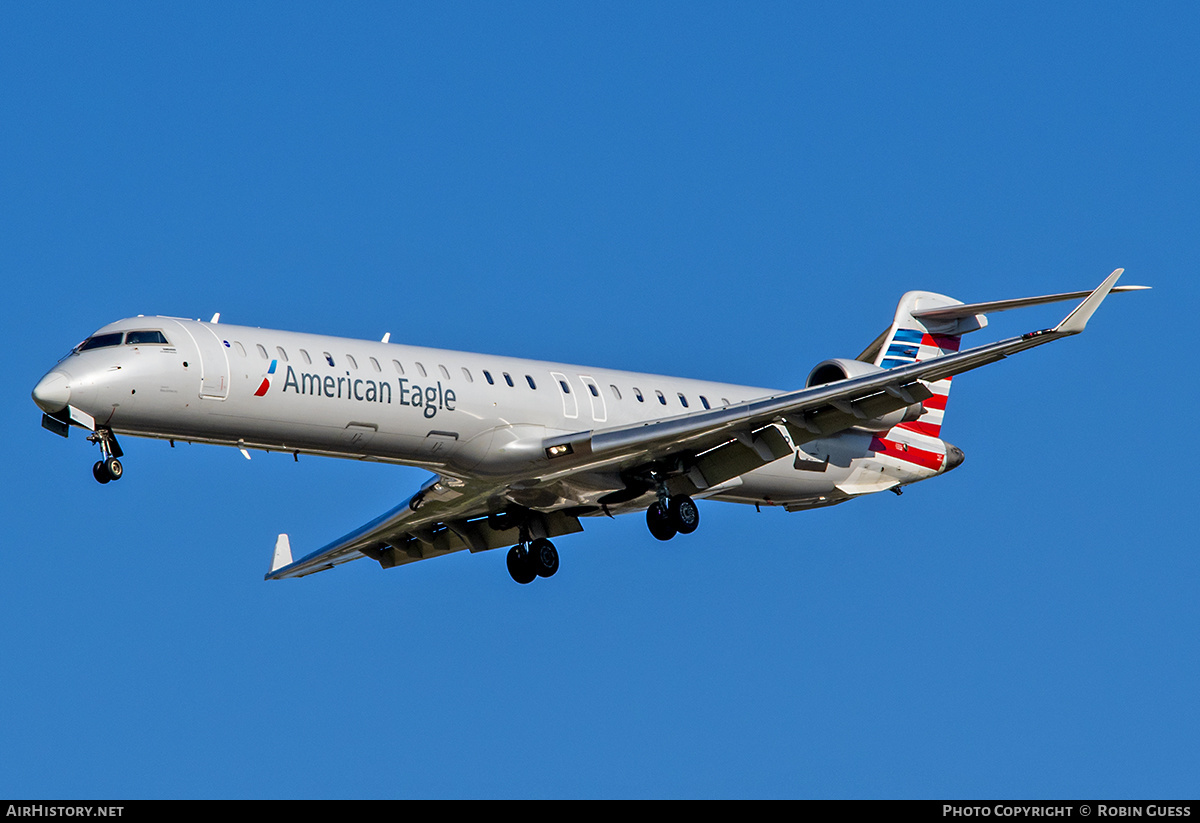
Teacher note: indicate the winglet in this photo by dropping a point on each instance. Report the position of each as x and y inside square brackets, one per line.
[283, 553]
[1076, 321]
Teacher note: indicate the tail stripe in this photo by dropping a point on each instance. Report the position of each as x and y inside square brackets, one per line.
[912, 346]
[921, 427]
[909, 454]
[941, 341]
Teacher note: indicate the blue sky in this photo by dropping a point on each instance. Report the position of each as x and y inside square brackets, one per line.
[692, 189]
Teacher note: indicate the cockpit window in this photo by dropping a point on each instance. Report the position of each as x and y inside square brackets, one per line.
[100, 341]
[146, 338]
[133, 338]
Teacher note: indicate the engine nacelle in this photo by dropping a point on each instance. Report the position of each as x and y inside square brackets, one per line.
[841, 368]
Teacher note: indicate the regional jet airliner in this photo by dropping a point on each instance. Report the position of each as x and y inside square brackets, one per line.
[523, 451]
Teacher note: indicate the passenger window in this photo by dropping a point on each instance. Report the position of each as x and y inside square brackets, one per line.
[661, 399]
[350, 360]
[240, 348]
[328, 357]
[488, 376]
[683, 400]
[282, 354]
[467, 375]
[399, 368]
[592, 388]
[263, 351]
[725, 401]
[304, 354]
[445, 373]
[704, 400]
[529, 380]
[508, 379]
[616, 392]
[638, 394]
[375, 364]
[421, 369]
[566, 389]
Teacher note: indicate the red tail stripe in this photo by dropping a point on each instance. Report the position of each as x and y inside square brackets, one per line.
[938, 401]
[941, 341]
[909, 454]
[931, 429]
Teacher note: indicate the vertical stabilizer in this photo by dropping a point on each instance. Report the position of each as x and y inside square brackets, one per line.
[910, 340]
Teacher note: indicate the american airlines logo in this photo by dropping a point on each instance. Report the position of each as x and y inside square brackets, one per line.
[430, 399]
[266, 383]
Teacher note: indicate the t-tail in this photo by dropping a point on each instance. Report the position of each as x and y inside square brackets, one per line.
[913, 338]
[928, 325]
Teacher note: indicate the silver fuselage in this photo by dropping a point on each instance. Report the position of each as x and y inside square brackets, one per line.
[456, 413]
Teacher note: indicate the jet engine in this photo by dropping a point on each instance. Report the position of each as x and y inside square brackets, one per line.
[840, 368]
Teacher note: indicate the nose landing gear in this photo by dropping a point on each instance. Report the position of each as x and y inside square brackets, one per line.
[108, 467]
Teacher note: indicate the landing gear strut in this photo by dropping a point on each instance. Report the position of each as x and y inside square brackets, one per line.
[108, 467]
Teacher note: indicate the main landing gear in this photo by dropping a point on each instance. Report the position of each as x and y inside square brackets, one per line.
[527, 561]
[108, 467]
[530, 558]
[669, 516]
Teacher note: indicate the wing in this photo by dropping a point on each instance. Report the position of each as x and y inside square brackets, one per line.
[706, 448]
[446, 515]
[691, 453]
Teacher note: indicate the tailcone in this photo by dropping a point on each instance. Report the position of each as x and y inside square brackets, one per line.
[954, 457]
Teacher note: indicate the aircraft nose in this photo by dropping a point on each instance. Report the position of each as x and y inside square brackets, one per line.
[954, 457]
[52, 393]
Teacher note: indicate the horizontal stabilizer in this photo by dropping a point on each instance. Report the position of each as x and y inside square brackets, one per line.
[968, 309]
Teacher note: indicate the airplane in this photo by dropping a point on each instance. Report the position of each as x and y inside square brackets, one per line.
[524, 450]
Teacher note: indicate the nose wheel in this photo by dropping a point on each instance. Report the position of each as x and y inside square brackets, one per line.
[108, 468]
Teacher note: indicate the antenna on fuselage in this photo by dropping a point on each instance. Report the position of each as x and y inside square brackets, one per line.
[387, 336]
[216, 318]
